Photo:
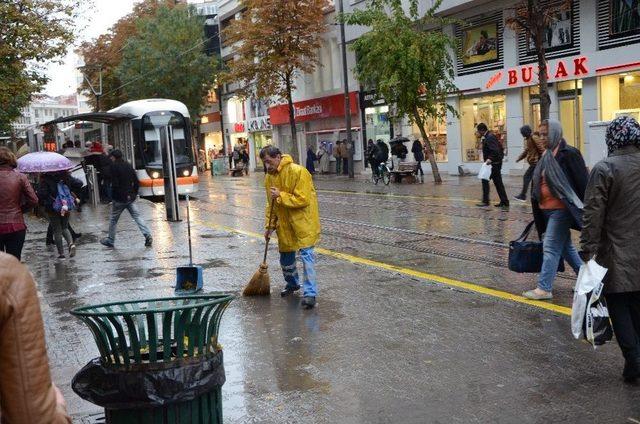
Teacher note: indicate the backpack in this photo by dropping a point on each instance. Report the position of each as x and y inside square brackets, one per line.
[235, 155]
[64, 197]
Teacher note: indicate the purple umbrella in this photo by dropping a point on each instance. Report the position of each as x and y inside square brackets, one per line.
[38, 162]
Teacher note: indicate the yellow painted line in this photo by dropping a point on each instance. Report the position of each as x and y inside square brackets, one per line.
[418, 274]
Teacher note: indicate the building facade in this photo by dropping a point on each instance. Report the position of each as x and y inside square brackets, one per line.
[45, 108]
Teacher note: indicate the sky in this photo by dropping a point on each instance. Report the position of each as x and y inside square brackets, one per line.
[92, 23]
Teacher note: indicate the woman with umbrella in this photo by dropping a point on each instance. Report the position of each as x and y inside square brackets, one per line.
[54, 193]
[16, 195]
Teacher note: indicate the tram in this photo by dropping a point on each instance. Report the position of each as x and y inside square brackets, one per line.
[140, 137]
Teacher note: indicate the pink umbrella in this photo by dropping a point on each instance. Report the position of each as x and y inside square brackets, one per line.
[38, 162]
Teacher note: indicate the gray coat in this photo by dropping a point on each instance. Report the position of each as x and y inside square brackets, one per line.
[611, 220]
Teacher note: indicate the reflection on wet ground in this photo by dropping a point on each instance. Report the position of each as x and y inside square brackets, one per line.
[380, 347]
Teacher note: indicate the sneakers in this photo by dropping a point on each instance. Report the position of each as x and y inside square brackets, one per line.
[72, 250]
[308, 302]
[536, 294]
[520, 198]
[482, 205]
[148, 241]
[289, 290]
[106, 242]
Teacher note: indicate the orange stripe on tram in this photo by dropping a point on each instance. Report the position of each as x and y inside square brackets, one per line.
[159, 182]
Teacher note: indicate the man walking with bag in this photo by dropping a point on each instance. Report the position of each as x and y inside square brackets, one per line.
[492, 153]
[125, 187]
[296, 220]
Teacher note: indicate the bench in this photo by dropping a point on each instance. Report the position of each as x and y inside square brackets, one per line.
[404, 170]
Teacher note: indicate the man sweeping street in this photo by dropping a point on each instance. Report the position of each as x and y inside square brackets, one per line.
[296, 220]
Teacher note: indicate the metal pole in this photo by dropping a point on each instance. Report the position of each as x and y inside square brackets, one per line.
[347, 101]
[170, 177]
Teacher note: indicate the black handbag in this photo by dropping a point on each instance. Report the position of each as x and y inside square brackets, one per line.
[526, 256]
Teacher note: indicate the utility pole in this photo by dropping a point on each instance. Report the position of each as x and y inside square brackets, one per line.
[347, 101]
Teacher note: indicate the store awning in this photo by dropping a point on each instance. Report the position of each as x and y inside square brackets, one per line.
[102, 117]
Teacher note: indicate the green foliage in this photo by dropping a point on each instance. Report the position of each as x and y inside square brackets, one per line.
[31, 33]
[166, 59]
[410, 67]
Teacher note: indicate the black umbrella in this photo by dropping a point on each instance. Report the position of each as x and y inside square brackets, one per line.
[398, 140]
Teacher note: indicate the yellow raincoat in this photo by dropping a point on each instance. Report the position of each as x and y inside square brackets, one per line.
[296, 217]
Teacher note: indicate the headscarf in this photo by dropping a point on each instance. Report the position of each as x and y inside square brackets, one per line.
[554, 175]
[525, 130]
[622, 131]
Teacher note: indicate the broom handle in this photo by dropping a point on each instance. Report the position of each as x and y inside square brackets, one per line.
[189, 232]
[266, 245]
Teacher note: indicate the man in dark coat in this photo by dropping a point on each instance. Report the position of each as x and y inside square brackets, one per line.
[611, 230]
[125, 185]
[492, 153]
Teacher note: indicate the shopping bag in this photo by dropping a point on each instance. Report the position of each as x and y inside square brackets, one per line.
[485, 172]
[589, 313]
[525, 255]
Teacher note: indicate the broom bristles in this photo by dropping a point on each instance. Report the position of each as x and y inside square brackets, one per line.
[259, 285]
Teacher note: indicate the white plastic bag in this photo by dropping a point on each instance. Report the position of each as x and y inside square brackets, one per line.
[586, 301]
[485, 172]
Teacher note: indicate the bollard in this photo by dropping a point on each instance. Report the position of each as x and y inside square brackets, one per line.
[92, 185]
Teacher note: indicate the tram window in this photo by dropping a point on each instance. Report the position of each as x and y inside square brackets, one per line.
[152, 148]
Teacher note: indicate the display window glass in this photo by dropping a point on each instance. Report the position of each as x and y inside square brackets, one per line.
[620, 95]
[436, 129]
[377, 122]
[489, 110]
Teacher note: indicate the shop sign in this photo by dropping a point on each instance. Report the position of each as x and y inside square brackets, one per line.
[238, 127]
[262, 123]
[310, 110]
[526, 75]
[371, 98]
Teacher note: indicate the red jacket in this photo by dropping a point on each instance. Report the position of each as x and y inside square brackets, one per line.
[15, 193]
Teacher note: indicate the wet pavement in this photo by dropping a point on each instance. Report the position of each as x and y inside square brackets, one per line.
[381, 346]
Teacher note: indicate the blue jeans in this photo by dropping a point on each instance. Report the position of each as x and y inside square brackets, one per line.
[557, 244]
[116, 210]
[290, 270]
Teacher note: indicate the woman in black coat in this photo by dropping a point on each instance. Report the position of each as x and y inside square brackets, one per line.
[418, 153]
[611, 232]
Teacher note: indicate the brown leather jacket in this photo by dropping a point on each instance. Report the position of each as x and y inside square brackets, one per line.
[27, 395]
[15, 190]
[533, 150]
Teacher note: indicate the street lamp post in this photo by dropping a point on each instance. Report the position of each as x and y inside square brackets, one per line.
[347, 101]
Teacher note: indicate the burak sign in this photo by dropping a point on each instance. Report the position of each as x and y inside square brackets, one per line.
[570, 68]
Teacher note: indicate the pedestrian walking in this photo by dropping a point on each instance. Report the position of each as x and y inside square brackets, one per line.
[76, 189]
[418, 154]
[559, 183]
[534, 148]
[310, 162]
[611, 230]
[337, 153]
[125, 191]
[244, 158]
[297, 220]
[492, 153]
[55, 197]
[346, 150]
[28, 394]
[16, 195]
[367, 153]
[323, 158]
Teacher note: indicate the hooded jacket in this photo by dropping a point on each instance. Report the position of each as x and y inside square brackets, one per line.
[27, 395]
[611, 226]
[296, 218]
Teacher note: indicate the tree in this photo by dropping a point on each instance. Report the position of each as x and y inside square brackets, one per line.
[277, 41]
[408, 65]
[31, 33]
[533, 17]
[166, 59]
[104, 54]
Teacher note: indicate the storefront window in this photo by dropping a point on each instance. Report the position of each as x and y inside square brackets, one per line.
[570, 111]
[625, 16]
[437, 132]
[260, 140]
[489, 110]
[620, 95]
[377, 121]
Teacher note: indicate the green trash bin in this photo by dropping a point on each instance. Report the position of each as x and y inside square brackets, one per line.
[160, 361]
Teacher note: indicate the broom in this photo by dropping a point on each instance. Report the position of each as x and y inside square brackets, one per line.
[259, 285]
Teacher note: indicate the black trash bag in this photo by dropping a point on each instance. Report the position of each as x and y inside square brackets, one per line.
[151, 385]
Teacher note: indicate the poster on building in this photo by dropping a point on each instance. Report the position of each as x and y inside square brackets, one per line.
[480, 44]
[557, 34]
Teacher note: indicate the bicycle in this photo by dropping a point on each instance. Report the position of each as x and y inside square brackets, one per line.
[383, 173]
